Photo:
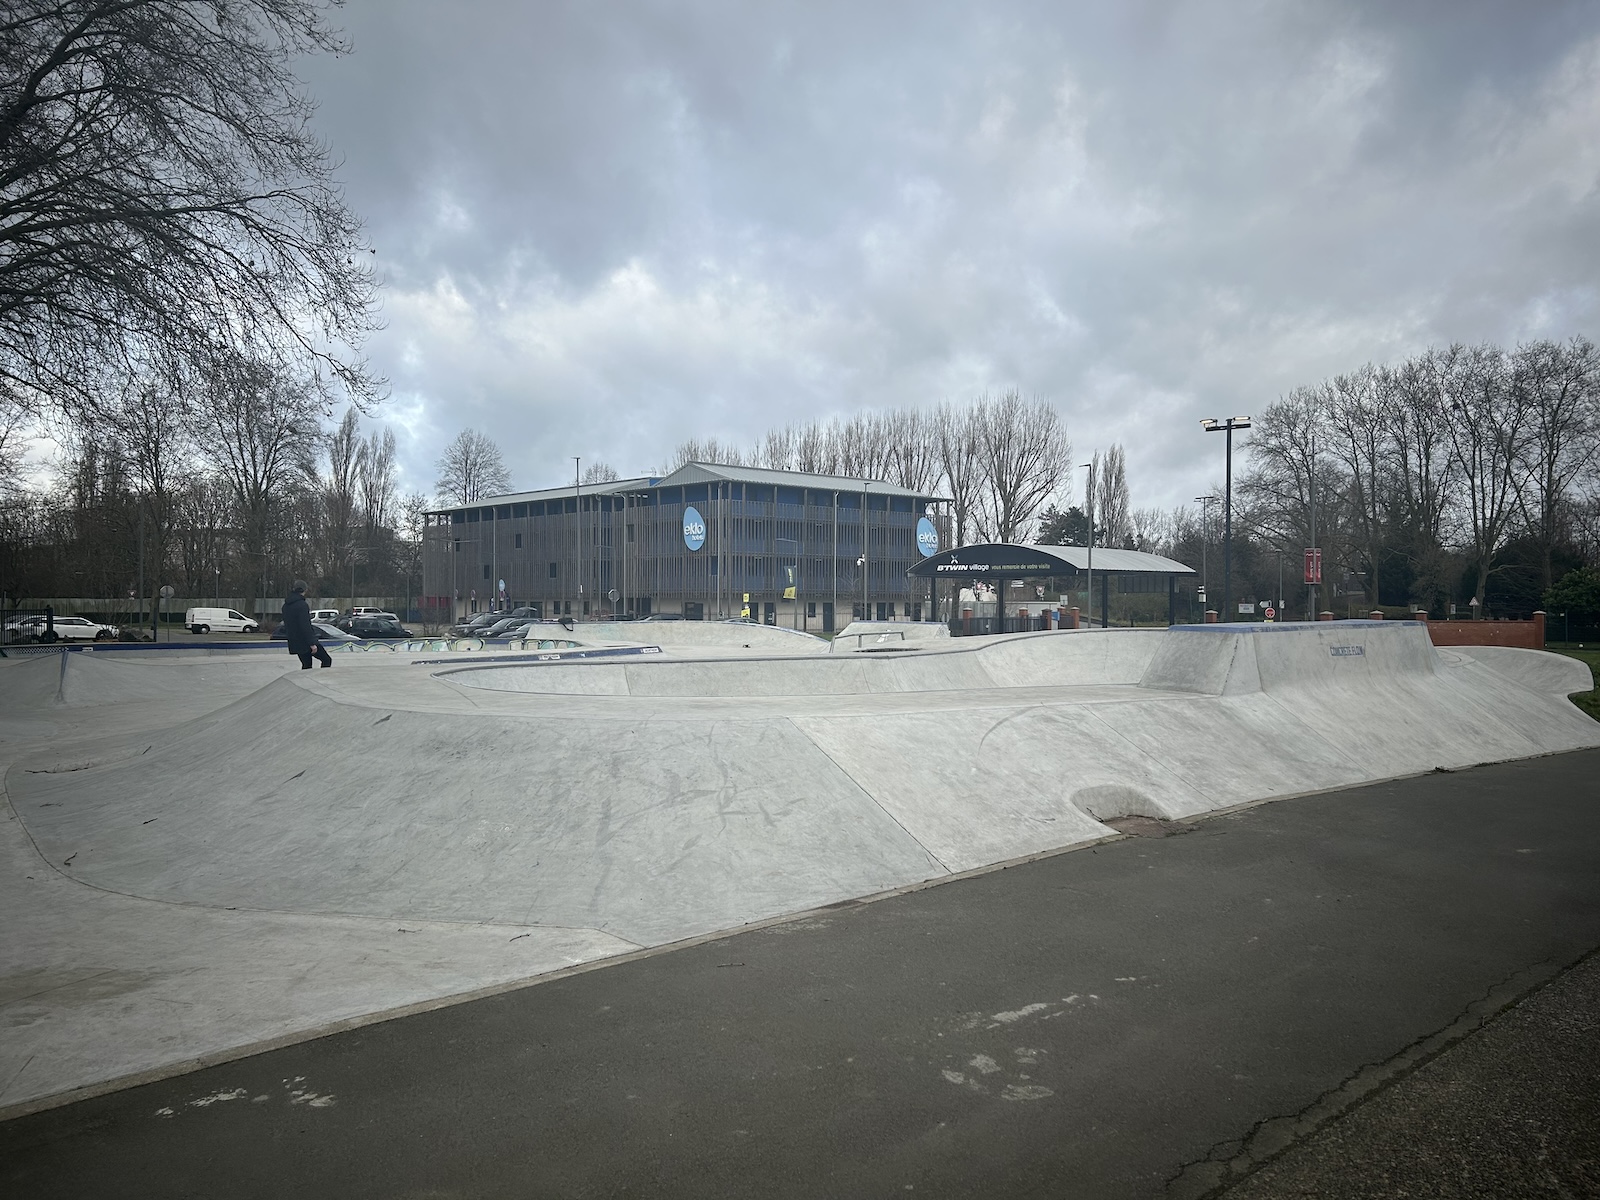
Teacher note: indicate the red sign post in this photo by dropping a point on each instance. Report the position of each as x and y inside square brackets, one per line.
[1314, 564]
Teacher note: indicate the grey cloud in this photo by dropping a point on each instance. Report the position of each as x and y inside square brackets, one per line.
[610, 227]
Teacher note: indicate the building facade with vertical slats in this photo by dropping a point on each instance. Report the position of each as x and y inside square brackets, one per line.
[841, 546]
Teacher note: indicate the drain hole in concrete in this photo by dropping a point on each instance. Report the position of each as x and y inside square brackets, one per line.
[1145, 826]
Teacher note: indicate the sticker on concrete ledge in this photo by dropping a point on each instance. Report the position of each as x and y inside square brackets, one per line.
[1346, 651]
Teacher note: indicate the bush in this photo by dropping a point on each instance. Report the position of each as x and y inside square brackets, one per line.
[1577, 593]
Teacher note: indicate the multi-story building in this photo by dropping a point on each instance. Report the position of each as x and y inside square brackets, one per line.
[706, 541]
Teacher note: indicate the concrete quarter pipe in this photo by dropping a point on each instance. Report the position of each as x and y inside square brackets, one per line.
[623, 803]
[658, 799]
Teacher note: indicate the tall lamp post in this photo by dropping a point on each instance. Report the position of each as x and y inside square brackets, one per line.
[1205, 503]
[1211, 425]
[1088, 503]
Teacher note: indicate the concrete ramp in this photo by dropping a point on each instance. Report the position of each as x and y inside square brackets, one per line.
[646, 830]
[399, 828]
[96, 678]
[758, 639]
[1232, 660]
[1029, 660]
[657, 798]
[1537, 670]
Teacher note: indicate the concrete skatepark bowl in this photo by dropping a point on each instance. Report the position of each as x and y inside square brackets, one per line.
[285, 852]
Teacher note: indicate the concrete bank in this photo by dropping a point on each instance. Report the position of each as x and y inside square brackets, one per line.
[1122, 1022]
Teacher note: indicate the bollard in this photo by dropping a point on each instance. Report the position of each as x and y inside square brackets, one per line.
[1538, 630]
[1376, 614]
[1420, 614]
[1325, 615]
[1075, 616]
[1211, 616]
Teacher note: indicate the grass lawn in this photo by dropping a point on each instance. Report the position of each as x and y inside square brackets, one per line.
[1588, 701]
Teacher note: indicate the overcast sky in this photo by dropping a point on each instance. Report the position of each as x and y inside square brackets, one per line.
[605, 228]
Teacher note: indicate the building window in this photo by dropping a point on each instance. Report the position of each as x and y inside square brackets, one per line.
[552, 570]
[811, 608]
[486, 570]
[519, 541]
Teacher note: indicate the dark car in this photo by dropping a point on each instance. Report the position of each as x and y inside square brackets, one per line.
[324, 631]
[474, 626]
[503, 628]
[374, 628]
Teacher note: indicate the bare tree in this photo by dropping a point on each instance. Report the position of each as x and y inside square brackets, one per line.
[149, 426]
[913, 437]
[203, 510]
[1423, 476]
[262, 437]
[338, 487]
[814, 452]
[376, 476]
[162, 193]
[778, 449]
[471, 468]
[960, 454]
[708, 451]
[1111, 497]
[600, 472]
[1487, 422]
[1025, 455]
[1358, 425]
[1561, 387]
[1149, 529]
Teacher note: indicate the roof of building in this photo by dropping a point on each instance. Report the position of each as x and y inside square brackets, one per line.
[698, 472]
[1015, 558]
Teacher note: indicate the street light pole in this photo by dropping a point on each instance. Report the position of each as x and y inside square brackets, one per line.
[1227, 427]
[1088, 504]
[1205, 503]
[577, 517]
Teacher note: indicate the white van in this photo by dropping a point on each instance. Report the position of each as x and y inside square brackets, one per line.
[328, 615]
[222, 620]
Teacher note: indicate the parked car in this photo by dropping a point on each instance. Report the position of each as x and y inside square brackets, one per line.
[24, 629]
[223, 620]
[76, 629]
[329, 615]
[503, 628]
[382, 613]
[474, 625]
[326, 631]
[373, 628]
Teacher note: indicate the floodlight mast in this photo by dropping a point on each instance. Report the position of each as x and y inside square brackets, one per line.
[1211, 425]
[1088, 503]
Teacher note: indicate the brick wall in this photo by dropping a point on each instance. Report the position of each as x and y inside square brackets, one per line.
[1529, 635]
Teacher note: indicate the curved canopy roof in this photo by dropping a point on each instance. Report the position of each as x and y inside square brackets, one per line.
[1009, 558]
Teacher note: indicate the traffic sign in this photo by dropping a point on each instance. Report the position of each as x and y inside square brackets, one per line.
[1269, 612]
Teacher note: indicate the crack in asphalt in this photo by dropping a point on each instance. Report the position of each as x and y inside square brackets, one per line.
[1231, 1160]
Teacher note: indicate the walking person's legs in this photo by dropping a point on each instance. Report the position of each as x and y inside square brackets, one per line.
[322, 656]
[305, 659]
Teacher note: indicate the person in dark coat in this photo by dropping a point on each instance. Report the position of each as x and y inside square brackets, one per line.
[298, 630]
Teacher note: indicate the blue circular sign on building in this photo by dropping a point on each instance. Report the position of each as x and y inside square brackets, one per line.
[927, 538]
[694, 528]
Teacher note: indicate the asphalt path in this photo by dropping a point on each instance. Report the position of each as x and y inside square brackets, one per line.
[1155, 1016]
